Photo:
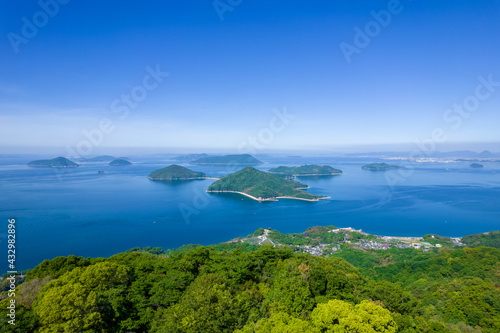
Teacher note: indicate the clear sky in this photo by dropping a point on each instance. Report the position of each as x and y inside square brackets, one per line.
[352, 73]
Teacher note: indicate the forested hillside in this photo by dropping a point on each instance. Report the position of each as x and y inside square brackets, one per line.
[265, 290]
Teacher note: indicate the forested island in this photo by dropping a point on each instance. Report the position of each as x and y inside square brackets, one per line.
[268, 282]
[119, 162]
[306, 170]
[241, 159]
[262, 186]
[176, 172]
[476, 166]
[380, 167]
[58, 162]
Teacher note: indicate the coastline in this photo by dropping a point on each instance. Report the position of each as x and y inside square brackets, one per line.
[268, 199]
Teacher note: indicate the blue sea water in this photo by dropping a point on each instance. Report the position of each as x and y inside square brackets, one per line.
[78, 211]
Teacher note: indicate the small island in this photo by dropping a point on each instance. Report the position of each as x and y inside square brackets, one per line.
[380, 167]
[119, 162]
[58, 162]
[306, 170]
[176, 172]
[476, 166]
[241, 159]
[262, 186]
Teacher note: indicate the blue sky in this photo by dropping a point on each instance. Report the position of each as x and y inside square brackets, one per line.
[228, 77]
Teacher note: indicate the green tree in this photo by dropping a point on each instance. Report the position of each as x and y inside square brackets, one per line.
[77, 301]
[339, 316]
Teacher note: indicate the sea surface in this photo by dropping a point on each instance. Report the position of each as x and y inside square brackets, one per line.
[78, 211]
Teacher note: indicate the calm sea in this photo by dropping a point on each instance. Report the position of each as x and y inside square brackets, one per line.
[78, 211]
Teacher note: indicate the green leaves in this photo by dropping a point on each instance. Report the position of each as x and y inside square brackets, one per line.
[77, 301]
[267, 290]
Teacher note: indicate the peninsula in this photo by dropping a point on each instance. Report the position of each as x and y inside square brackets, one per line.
[262, 186]
[380, 167]
[119, 162]
[176, 172]
[306, 170]
[58, 162]
[241, 159]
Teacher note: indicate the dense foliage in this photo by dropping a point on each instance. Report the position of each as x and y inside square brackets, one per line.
[491, 239]
[262, 289]
[58, 162]
[380, 166]
[260, 184]
[175, 172]
[310, 170]
[240, 159]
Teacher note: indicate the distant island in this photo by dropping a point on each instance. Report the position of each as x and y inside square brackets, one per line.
[380, 167]
[58, 162]
[476, 165]
[119, 162]
[190, 157]
[101, 158]
[176, 172]
[306, 170]
[242, 159]
[262, 186]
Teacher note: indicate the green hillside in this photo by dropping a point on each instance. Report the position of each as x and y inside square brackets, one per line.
[309, 170]
[260, 184]
[491, 238]
[242, 159]
[58, 162]
[175, 172]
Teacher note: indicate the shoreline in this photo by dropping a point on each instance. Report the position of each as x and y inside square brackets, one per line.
[268, 199]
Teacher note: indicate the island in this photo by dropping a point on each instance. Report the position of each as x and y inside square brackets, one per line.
[177, 172]
[476, 166]
[119, 162]
[101, 158]
[380, 167]
[306, 170]
[241, 159]
[58, 162]
[262, 186]
[190, 157]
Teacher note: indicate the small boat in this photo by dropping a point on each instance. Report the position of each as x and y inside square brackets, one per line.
[101, 171]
